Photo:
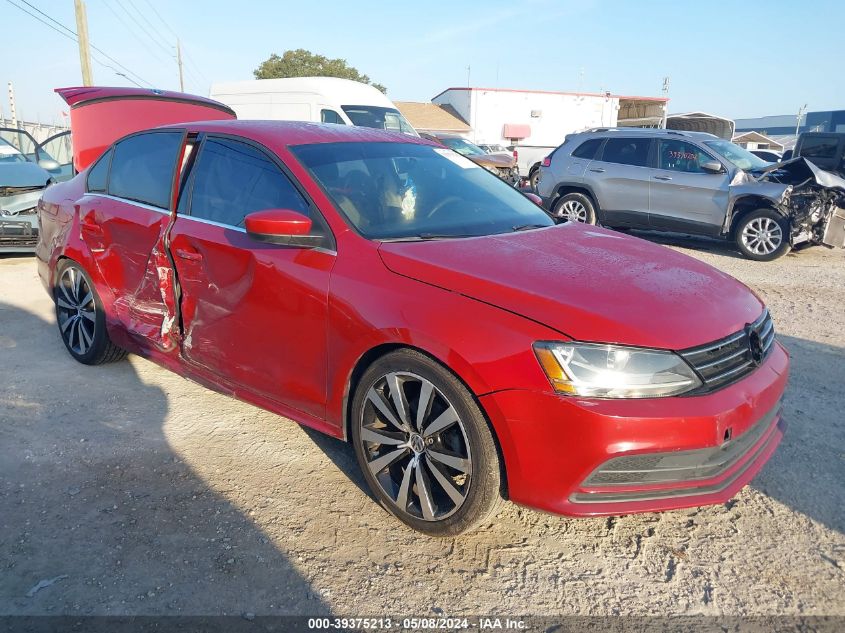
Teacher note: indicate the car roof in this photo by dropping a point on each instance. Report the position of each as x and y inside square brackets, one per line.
[300, 132]
[612, 131]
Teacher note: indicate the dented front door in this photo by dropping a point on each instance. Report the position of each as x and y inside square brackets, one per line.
[252, 313]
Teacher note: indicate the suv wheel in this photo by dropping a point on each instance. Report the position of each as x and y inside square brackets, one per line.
[762, 235]
[424, 445]
[574, 207]
[534, 179]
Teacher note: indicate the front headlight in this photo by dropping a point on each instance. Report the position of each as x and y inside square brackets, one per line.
[613, 371]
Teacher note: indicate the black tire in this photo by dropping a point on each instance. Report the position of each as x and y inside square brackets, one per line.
[762, 235]
[579, 203]
[81, 320]
[481, 481]
[534, 178]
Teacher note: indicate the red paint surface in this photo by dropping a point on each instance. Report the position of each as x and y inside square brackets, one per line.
[277, 222]
[284, 327]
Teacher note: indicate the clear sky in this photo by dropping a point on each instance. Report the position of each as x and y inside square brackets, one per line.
[736, 59]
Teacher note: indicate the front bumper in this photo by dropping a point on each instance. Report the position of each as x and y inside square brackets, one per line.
[18, 231]
[19, 220]
[592, 457]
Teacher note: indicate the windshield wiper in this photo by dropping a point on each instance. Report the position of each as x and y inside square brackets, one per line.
[528, 227]
[421, 237]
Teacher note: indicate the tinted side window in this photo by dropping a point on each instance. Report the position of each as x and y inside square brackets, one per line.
[330, 116]
[98, 176]
[233, 179]
[627, 151]
[142, 167]
[588, 149]
[819, 147]
[681, 156]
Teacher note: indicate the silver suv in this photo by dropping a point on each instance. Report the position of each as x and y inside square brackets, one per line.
[686, 182]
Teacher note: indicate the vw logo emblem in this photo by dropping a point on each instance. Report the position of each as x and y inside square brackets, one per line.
[755, 347]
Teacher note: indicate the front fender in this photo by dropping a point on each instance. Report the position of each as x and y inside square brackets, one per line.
[772, 195]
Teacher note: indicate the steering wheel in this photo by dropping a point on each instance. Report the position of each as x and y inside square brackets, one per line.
[443, 203]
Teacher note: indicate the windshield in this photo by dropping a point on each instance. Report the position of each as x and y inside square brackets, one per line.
[405, 190]
[379, 118]
[9, 153]
[462, 146]
[740, 157]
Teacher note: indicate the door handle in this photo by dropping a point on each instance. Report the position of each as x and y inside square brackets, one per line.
[663, 178]
[598, 170]
[189, 255]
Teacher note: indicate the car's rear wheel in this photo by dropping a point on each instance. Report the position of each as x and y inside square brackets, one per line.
[762, 235]
[574, 207]
[424, 445]
[80, 317]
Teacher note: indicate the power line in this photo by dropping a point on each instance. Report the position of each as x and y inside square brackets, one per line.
[166, 25]
[72, 35]
[185, 53]
[151, 51]
[141, 26]
[166, 44]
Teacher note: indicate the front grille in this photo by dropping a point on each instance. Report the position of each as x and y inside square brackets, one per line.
[725, 361]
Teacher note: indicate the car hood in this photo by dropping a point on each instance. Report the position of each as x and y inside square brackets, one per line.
[493, 160]
[22, 175]
[588, 283]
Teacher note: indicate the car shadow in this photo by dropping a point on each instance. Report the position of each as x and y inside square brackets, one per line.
[96, 503]
[341, 455]
[807, 470]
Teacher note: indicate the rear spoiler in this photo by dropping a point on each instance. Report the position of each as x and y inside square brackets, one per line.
[101, 115]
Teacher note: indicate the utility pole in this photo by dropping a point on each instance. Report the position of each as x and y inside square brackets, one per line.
[468, 71]
[801, 112]
[12, 111]
[84, 47]
[179, 61]
[665, 103]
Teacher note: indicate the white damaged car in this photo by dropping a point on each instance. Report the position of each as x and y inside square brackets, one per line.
[23, 178]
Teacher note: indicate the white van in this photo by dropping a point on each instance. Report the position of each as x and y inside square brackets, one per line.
[319, 99]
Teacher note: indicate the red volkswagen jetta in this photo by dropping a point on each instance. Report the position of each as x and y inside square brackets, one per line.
[391, 293]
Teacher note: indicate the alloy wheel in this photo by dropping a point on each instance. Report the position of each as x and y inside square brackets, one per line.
[76, 310]
[762, 236]
[416, 446]
[573, 211]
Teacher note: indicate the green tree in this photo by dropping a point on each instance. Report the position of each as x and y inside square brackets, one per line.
[302, 63]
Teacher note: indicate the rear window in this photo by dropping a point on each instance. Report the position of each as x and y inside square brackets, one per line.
[142, 167]
[588, 149]
[99, 174]
[819, 147]
[627, 151]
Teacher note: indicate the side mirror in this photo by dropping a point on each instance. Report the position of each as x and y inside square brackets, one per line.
[533, 197]
[712, 167]
[281, 226]
[49, 164]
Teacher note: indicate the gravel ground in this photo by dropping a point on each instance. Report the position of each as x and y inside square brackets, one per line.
[131, 490]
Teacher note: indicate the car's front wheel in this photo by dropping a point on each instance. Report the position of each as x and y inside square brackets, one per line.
[762, 235]
[575, 207]
[80, 316]
[424, 445]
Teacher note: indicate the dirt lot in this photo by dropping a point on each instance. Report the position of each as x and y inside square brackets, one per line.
[139, 492]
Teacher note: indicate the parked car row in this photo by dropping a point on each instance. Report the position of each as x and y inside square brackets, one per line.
[696, 183]
[390, 292]
[502, 164]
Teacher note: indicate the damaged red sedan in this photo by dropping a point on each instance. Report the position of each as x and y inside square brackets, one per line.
[393, 294]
